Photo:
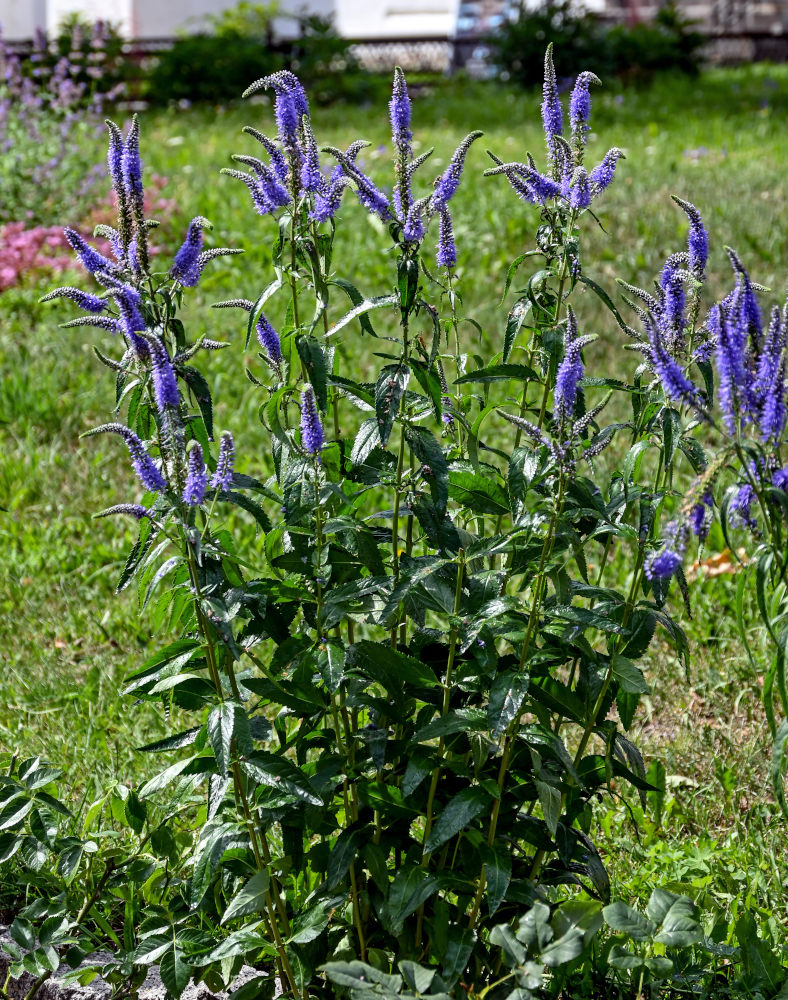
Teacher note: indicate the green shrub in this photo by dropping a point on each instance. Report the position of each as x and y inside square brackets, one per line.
[667, 43]
[217, 66]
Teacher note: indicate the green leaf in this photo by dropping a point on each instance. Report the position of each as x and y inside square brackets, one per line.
[331, 664]
[228, 722]
[390, 668]
[659, 966]
[280, 773]
[389, 390]
[622, 958]
[456, 815]
[477, 492]
[498, 872]
[343, 854]
[23, 933]
[313, 359]
[628, 675]
[625, 920]
[778, 759]
[428, 451]
[411, 887]
[416, 976]
[514, 321]
[550, 801]
[365, 306]
[457, 954]
[498, 373]
[310, 925]
[175, 973]
[679, 924]
[251, 899]
[356, 299]
[506, 696]
[359, 975]
[136, 812]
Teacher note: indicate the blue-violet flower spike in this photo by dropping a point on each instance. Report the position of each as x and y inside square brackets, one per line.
[196, 479]
[311, 428]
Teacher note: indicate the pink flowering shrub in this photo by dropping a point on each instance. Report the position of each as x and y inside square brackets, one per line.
[27, 251]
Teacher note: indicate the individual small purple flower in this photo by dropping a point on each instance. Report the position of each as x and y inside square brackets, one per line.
[196, 477]
[185, 267]
[269, 340]
[446, 251]
[399, 111]
[312, 437]
[697, 239]
[91, 259]
[223, 476]
[602, 174]
[740, 506]
[569, 373]
[552, 113]
[90, 303]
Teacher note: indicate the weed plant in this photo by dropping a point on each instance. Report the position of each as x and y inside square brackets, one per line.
[406, 699]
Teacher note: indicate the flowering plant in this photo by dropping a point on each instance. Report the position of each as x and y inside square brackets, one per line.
[408, 696]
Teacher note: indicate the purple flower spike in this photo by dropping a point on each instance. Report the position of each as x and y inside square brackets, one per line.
[552, 113]
[770, 386]
[580, 107]
[672, 316]
[90, 259]
[446, 251]
[780, 479]
[662, 565]
[447, 184]
[311, 429]
[186, 267]
[697, 239]
[602, 175]
[670, 373]
[413, 230]
[196, 479]
[223, 476]
[90, 303]
[569, 373]
[135, 510]
[269, 340]
[165, 383]
[741, 506]
[667, 561]
[699, 517]
[131, 162]
[143, 464]
[290, 105]
[579, 189]
[399, 110]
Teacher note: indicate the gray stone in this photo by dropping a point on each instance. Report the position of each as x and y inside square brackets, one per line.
[152, 989]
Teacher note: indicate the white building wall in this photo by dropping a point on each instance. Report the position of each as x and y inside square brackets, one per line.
[20, 18]
[396, 18]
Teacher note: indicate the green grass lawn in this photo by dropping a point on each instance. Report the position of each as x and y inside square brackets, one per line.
[67, 642]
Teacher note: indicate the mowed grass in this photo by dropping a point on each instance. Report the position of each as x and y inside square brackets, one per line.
[66, 641]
